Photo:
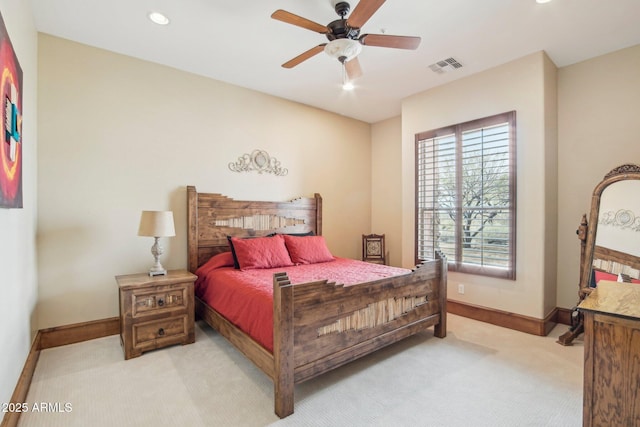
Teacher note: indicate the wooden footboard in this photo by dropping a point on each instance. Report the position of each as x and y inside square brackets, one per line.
[319, 326]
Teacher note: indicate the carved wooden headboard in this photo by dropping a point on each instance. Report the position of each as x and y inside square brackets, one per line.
[212, 217]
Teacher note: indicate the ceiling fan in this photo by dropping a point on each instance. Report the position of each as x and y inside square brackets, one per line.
[345, 40]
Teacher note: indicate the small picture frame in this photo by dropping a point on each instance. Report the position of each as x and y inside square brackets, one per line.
[373, 249]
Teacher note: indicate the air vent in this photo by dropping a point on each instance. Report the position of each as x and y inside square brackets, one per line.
[445, 65]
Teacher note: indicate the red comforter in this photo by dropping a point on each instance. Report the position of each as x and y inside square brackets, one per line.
[245, 298]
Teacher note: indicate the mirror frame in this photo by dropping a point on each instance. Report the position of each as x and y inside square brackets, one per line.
[621, 173]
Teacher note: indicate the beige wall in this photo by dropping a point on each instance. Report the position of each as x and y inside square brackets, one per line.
[599, 129]
[386, 180]
[119, 135]
[18, 278]
[524, 85]
[550, 128]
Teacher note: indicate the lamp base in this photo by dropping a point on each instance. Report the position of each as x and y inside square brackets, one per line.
[153, 273]
[157, 269]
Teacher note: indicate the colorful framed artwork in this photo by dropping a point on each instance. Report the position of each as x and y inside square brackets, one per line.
[11, 122]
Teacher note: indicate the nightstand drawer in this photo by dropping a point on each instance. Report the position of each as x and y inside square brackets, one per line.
[158, 331]
[154, 302]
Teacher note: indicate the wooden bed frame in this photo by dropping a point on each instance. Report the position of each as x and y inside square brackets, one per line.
[320, 325]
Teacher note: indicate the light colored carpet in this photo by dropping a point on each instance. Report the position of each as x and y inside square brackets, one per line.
[479, 375]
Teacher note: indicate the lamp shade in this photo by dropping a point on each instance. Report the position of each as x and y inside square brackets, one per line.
[156, 224]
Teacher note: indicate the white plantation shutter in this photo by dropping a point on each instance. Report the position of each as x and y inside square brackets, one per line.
[436, 167]
[465, 195]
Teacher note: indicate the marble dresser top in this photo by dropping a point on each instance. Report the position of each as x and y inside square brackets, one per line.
[619, 299]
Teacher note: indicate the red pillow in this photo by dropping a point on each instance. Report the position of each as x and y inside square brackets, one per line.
[602, 275]
[307, 249]
[261, 252]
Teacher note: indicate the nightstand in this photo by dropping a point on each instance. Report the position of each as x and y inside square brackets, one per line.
[155, 311]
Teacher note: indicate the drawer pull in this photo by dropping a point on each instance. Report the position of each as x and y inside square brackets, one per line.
[160, 302]
[161, 331]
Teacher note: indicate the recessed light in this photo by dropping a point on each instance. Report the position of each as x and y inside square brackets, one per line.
[158, 18]
[542, 1]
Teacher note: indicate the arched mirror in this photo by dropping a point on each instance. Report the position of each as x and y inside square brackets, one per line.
[611, 238]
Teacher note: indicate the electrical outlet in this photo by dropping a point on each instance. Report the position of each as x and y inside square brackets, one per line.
[460, 288]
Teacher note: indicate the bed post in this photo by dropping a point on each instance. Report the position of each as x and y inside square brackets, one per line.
[318, 215]
[283, 375]
[440, 330]
[192, 228]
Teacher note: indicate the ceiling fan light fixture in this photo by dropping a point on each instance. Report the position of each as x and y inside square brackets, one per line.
[347, 84]
[343, 49]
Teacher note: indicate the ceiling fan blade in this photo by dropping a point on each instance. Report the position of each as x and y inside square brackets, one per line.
[353, 68]
[290, 18]
[304, 56]
[363, 11]
[384, 40]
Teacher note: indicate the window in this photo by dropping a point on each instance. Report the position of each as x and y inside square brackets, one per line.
[465, 195]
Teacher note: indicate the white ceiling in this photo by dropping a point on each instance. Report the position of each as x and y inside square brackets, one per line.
[237, 41]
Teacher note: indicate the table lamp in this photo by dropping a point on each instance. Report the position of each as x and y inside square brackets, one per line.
[156, 224]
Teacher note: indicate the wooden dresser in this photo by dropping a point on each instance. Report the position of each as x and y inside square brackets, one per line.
[612, 355]
[155, 311]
